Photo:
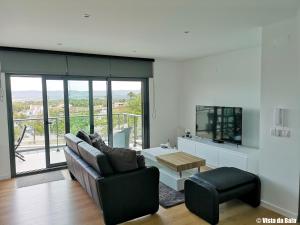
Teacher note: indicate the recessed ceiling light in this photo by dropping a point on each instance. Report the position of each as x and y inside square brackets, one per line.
[187, 32]
[59, 43]
[86, 15]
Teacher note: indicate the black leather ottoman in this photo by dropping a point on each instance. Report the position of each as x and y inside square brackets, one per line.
[205, 191]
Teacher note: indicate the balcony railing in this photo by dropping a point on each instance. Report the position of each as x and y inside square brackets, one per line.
[34, 135]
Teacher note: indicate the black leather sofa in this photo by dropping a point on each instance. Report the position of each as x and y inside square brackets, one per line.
[122, 196]
[205, 191]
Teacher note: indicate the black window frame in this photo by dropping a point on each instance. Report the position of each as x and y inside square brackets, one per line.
[65, 78]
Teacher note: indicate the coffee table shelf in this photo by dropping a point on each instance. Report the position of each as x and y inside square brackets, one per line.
[170, 176]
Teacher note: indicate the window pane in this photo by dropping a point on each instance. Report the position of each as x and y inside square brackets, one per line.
[127, 114]
[100, 109]
[28, 122]
[79, 106]
[56, 119]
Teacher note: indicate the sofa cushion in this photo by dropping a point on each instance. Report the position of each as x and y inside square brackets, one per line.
[72, 142]
[225, 178]
[122, 160]
[98, 142]
[84, 136]
[95, 159]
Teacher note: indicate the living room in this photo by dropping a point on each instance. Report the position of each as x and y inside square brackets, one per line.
[173, 56]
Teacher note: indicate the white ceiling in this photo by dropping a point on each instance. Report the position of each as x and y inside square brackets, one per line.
[141, 28]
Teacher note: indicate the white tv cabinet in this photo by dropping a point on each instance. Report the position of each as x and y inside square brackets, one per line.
[218, 155]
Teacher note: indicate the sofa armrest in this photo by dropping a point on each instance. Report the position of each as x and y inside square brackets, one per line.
[129, 195]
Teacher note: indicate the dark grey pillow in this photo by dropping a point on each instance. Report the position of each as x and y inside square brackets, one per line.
[140, 161]
[84, 136]
[98, 143]
[122, 160]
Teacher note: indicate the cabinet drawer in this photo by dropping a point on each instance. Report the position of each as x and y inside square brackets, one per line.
[186, 146]
[209, 153]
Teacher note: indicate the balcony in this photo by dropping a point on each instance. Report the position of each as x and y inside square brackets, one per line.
[32, 146]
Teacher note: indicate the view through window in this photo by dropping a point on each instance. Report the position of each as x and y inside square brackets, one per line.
[56, 120]
[79, 106]
[100, 109]
[85, 113]
[28, 123]
[127, 114]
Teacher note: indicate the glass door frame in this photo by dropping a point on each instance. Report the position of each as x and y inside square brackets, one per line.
[46, 117]
[66, 78]
[145, 109]
[90, 80]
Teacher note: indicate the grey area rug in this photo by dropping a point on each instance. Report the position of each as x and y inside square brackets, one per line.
[168, 197]
[39, 179]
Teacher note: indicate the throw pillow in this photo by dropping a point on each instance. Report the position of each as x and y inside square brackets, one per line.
[122, 160]
[98, 143]
[140, 161]
[84, 136]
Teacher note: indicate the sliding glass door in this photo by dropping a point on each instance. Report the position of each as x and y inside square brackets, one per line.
[127, 111]
[28, 123]
[44, 108]
[55, 122]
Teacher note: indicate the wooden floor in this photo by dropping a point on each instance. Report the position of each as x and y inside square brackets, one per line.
[66, 203]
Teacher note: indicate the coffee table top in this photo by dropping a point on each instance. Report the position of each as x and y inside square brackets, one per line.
[180, 161]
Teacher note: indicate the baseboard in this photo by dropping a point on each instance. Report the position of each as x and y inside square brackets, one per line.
[278, 209]
[4, 176]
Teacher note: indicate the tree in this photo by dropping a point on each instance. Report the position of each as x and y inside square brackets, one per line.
[131, 95]
[134, 104]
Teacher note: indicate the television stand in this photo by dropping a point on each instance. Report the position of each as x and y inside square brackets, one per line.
[220, 155]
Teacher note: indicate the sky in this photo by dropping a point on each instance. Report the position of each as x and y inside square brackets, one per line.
[35, 84]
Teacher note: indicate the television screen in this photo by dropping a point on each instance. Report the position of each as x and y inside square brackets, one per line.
[219, 123]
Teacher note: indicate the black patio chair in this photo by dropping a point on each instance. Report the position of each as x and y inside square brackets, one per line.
[17, 144]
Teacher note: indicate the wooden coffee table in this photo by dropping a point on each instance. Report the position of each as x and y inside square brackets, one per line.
[180, 161]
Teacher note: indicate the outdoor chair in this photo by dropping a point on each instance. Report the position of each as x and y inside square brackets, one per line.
[121, 138]
[17, 144]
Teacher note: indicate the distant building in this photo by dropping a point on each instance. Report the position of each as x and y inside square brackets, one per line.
[118, 104]
[34, 110]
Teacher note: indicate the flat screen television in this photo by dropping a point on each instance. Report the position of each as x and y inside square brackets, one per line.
[219, 123]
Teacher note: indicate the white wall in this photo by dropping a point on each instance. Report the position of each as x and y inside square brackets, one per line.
[280, 87]
[164, 125]
[227, 79]
[4, 146]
